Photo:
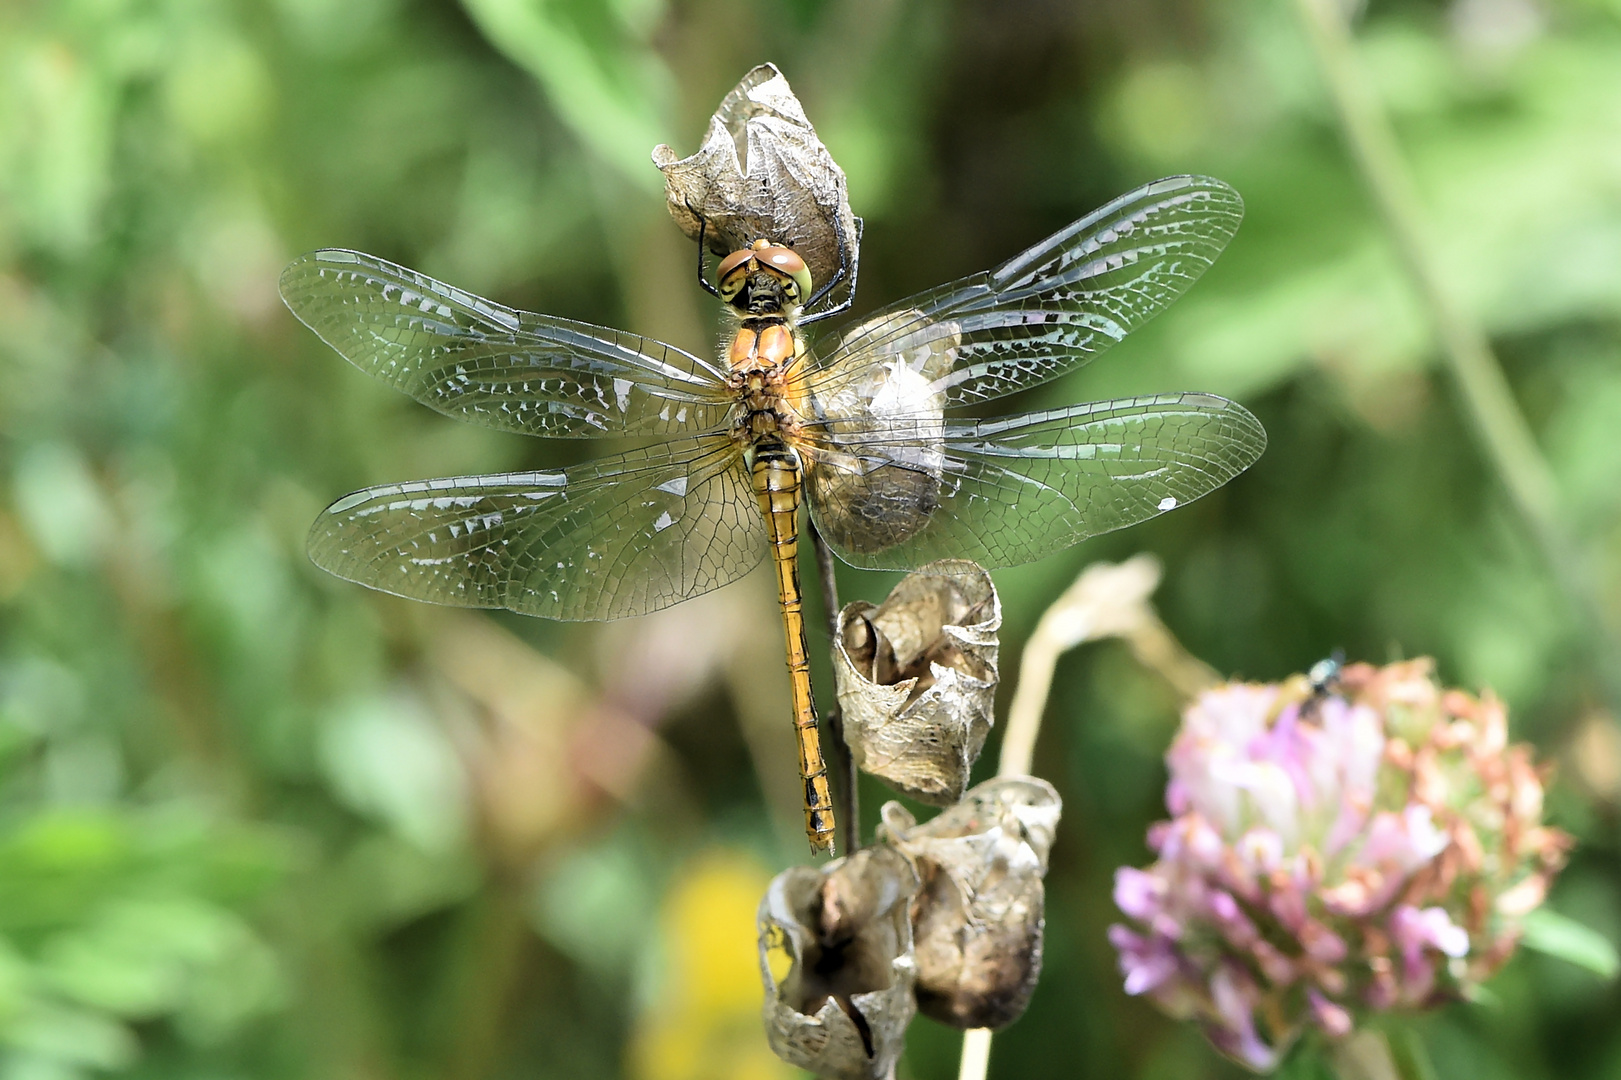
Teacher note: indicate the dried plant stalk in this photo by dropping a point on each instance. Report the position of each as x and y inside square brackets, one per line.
[1106, 600]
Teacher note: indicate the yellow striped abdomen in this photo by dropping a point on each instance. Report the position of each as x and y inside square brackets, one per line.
[777, 486]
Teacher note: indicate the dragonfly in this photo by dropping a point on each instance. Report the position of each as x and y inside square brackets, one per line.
[866, 430]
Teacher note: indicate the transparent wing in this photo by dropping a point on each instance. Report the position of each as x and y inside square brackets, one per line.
[1006, 491]
[513, 370]
[1050, 309]
[620, 536]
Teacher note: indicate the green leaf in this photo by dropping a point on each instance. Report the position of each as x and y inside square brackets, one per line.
[1549, 932]
[608, 87]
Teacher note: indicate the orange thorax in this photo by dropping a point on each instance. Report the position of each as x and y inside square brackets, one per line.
[761, 344]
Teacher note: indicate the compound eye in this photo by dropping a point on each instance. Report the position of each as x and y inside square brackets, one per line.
[730, 274]
[786, 261]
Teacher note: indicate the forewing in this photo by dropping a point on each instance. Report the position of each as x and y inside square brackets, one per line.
[1050, 309]
[1007, 491]
[620, 536]
[513, 370]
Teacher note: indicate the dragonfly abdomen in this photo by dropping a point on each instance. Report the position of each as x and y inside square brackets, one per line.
[776, 478]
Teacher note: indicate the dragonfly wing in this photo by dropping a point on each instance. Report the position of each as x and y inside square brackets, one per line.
[512, 370]
[1051, 308]
[1010, 490]
[619, 536]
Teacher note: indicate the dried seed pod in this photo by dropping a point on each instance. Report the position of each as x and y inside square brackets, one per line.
[888, 503]
[978, 914]
[841, 1005]
[763, 174]
[917, 677]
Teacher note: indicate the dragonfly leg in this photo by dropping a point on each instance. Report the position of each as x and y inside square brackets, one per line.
[854, 266]
[703, 270]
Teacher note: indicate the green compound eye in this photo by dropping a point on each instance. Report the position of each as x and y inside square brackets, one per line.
[786, 261]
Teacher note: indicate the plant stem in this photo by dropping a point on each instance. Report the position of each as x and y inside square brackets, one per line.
[1396, 1053]
[1158, 650]
[486, 971]
[1036, 667]
[1499, 426]
[1411, 1056]
[976, 1054]
[1106, 600]
[847, 801]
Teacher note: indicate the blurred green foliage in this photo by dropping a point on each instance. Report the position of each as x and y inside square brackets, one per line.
[259, 823]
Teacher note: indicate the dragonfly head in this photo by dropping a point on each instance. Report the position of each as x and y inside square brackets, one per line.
[763, 277]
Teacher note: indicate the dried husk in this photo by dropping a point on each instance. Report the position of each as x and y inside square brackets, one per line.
[916, 679]
[762, 173]
[842, 1008]
[884, 499]
[978, 916]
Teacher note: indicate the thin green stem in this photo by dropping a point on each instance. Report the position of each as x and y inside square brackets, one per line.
[485, 972]
[1394, 1052]
[1412, 1056]
[1499, 426]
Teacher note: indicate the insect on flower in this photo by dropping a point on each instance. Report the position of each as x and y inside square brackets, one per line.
[857, 428]
[1348, 843]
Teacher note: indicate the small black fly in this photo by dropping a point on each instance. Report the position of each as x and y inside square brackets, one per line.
[1324, 677]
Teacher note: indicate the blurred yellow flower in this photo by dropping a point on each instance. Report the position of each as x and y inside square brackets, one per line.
[704, 1024]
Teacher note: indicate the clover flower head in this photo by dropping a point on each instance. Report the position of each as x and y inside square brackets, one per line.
[1335, 850]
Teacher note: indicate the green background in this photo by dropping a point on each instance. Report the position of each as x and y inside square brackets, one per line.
[257, 822]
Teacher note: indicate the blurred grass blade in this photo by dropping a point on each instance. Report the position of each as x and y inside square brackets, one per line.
[1411, 1056]
[1366, 1055]
[604, 84]
[1500, 426]
[1558, 935]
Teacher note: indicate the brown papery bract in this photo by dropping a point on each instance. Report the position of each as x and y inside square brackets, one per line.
[762, 173]
[841, 1007]
[917, 679]
[978, 919]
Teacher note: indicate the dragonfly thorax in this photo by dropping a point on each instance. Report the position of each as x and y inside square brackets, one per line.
[763, 403]
[762, 344]
[760, 357]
